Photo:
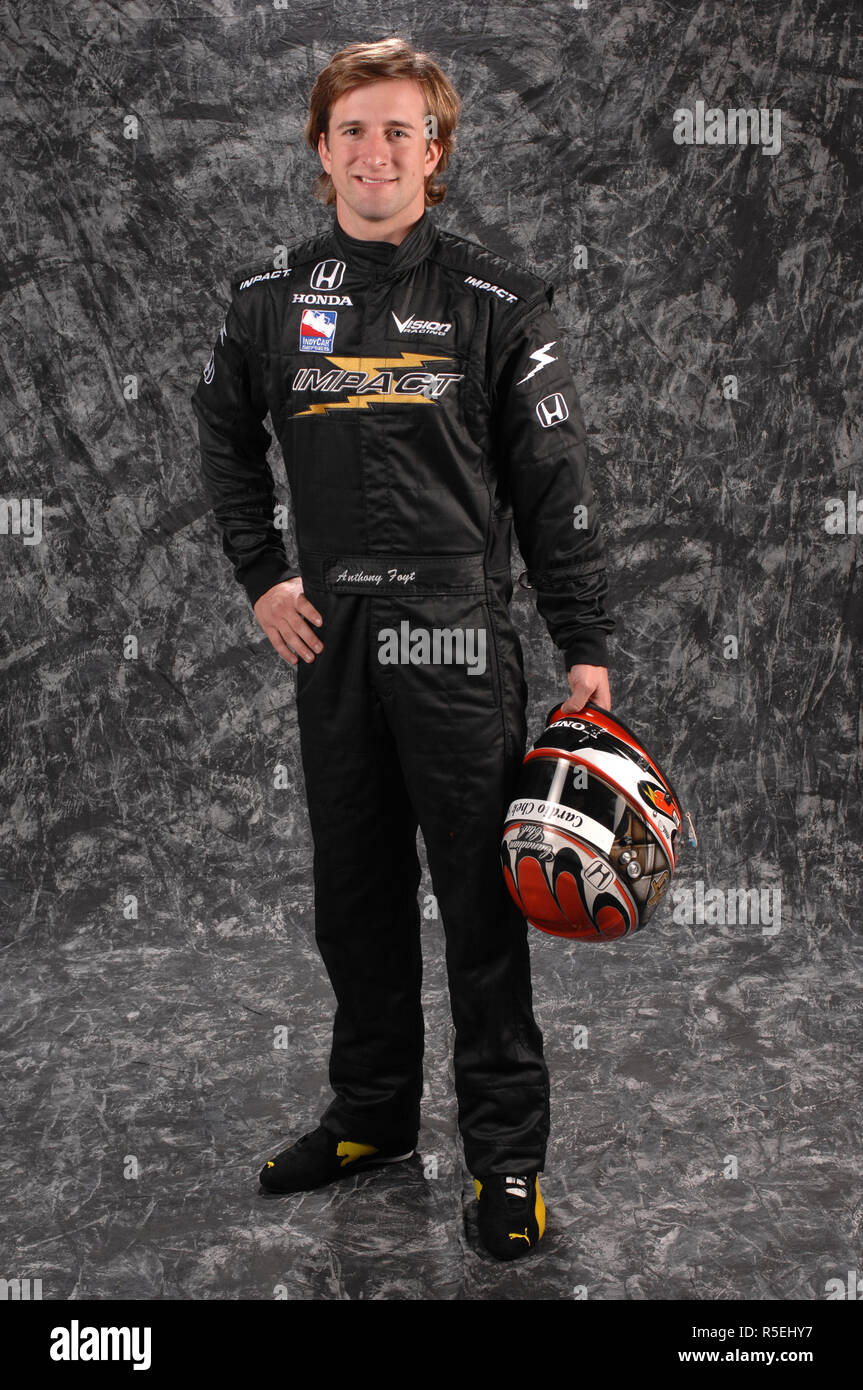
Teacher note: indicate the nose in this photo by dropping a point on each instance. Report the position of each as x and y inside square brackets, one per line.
[375, 151]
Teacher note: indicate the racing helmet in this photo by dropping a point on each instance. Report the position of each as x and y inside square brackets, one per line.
[590, 842]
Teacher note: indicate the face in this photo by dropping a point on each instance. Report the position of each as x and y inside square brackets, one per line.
[378, 157]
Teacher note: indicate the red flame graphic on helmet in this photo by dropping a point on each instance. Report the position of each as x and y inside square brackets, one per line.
[661, 800]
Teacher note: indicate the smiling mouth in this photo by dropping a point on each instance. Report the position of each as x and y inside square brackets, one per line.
[371, 182]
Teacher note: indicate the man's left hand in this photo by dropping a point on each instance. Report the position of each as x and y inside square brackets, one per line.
[587, 683]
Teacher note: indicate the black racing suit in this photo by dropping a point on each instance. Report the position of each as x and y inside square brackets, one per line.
[423, 402]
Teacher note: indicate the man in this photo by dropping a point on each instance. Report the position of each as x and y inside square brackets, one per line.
[420, 391]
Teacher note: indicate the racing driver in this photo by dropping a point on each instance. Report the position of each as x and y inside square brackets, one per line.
[419, 388]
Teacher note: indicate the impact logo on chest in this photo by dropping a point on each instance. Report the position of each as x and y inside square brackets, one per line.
[366, 381]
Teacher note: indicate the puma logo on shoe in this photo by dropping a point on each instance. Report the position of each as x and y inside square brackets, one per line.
[349, 1153]
[516, 1235]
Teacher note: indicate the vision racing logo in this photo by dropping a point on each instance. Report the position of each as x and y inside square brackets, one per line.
[369, 381]
[432, 328]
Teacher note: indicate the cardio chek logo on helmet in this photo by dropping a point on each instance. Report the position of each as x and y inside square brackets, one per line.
[590, 843]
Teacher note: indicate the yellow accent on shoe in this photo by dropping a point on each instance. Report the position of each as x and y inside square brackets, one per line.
[349, 1152]
[478, 1185]
[540, 1211]
[270, 1163]
[515, 1235]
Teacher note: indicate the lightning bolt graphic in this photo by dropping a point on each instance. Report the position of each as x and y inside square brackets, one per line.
[371, 365]
[541, 358]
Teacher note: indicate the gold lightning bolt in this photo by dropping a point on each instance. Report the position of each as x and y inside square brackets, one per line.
[371, 365]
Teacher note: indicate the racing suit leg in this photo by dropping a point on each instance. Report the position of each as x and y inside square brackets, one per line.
[461, 740]
[366, 877]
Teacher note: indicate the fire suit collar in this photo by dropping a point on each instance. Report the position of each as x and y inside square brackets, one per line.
[371, 257]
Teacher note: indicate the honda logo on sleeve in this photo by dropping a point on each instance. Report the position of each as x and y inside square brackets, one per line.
[327, 275]
[552, 410]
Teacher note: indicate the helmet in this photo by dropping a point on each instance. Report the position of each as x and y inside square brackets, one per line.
[590, 841]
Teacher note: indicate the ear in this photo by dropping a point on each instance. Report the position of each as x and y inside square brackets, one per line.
[433, 154]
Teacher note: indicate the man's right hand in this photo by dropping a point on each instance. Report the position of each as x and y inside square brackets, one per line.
[282, 612]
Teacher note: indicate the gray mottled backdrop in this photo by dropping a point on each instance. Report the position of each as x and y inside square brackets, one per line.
[166, 1015]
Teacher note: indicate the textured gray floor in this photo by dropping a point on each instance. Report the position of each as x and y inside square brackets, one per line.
[160, 1060]
[155, 915]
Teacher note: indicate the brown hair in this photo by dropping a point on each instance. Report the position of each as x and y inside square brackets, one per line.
[362, 63]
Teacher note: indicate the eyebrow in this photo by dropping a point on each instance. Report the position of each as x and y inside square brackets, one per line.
[408, 125]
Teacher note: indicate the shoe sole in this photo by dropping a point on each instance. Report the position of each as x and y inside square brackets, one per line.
[359, 1164]
[373, 1162]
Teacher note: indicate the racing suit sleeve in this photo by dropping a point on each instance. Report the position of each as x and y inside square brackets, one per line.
[230, 405]
[539, 446]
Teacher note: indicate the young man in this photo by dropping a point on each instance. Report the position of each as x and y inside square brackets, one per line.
[420, 391]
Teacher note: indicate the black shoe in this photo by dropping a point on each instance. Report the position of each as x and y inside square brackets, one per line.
[321, 1157]
[511, 1217]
